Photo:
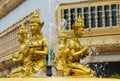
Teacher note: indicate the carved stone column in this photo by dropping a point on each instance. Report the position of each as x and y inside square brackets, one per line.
[83, 14]
[89, 17]
[117, 14]
[103, 15]
[96, 16]
[62, 15]
[110, 15]
[75, 13]
[69, 19]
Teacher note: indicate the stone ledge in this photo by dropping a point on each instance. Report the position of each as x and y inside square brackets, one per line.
[58, 79]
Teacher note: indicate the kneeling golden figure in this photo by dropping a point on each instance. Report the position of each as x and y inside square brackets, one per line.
[62, 54]
[21, 56]
[70, 53]
[77, 52]
[33, 53]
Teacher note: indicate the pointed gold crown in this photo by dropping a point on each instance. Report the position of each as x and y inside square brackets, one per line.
[62, 33]
[22, 29]
[78, 24]
[35, 18]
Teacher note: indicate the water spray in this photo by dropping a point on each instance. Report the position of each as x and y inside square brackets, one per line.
[50, 36]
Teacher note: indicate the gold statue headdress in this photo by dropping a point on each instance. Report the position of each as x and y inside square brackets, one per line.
[78, 24]
[62, 33]
[35, 19]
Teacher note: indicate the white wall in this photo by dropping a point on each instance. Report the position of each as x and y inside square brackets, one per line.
[29, 6]
[24, 9]
[67, 1]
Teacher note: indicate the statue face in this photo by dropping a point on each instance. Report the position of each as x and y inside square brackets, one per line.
[79, 32]
[34, 27]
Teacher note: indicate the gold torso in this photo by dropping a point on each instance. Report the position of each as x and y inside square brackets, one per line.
[36, 44]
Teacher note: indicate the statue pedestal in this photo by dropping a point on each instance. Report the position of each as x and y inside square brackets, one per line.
[58, 79]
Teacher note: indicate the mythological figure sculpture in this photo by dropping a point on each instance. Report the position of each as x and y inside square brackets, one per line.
[62, 54]
[33, 52]
[78, 52]
[20, 57]
[69, 57]
[37, 45]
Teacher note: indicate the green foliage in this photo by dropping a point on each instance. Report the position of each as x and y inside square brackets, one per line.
[115, 76]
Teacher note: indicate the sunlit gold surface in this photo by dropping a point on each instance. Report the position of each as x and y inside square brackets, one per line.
[69, 55]
[32, 52]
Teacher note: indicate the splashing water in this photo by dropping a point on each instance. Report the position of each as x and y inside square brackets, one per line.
[100, 69]
[52, 34]
[92, 51]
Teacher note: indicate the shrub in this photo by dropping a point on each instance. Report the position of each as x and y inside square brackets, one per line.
[115, 76]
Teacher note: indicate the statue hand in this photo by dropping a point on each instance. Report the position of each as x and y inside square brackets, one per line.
[85, 52]
[32, 52]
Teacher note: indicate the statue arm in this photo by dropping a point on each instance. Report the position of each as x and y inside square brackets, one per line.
[20, 55]
[18, 59]
[45, 48]
[81, 52]
[44, 52]
[60, 52]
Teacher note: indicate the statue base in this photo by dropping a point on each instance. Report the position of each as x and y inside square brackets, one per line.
[49, 71]
[58, 79]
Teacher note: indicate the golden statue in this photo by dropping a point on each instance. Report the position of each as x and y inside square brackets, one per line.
[78, 52]
[34, 51]
[62, 54]
[19, 58]
[22, 38]
[69, 55]
[37, 45]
